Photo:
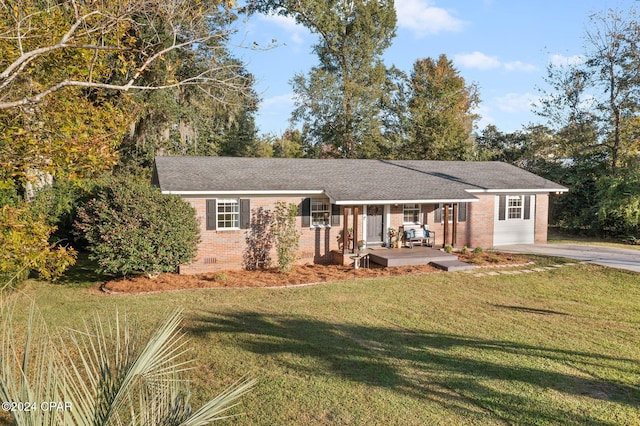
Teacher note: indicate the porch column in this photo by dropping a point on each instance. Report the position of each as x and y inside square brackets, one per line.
[446, 225]
[345, 230]
[356, 210]
[454, 232]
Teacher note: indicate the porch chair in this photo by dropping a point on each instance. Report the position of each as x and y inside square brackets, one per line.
[418, 234]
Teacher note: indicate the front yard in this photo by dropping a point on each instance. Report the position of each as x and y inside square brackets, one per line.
[552, 347]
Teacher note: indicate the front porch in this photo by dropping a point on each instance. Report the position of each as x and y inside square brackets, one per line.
[418, 255]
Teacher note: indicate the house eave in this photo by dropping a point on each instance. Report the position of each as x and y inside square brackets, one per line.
[406, 201]
[245, 192]
[517, 191]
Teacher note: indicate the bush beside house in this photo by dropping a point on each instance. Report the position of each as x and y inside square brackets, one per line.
[133, 228]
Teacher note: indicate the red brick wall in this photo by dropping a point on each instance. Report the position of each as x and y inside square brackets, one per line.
[224, 249]
[480, 217]
[542, 218]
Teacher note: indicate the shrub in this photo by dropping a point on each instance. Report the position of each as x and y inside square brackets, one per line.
[133, 228]
[478, 250]
[619, 205]
[286, 234]
[25, 246]
[448, 248]
[464, 250]
[259, 239]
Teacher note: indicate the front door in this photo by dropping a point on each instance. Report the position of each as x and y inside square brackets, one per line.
[375, 224]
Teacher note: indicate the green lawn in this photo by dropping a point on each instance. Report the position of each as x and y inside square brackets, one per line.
[556, 347]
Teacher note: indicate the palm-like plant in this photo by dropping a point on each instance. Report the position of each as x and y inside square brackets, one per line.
[105, 374]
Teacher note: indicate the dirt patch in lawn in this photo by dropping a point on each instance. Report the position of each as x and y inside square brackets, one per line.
[301, 274]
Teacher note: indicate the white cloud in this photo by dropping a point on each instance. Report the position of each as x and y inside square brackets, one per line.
[485, 62]
[563, 61]
[423, 18]
[477, 60]
[519, 66]
[278, 101]
[516, 102]
[295, 31]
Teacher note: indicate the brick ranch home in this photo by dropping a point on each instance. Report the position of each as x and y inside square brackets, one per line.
[473, 204]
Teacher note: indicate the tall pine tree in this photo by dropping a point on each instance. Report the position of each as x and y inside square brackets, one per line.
[338, 101]
[441, 110]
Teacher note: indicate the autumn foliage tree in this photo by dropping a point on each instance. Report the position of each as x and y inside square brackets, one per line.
[68, 68]
[24, 238]
[441, 109]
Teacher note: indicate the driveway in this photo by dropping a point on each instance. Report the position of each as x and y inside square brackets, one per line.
[606, 256]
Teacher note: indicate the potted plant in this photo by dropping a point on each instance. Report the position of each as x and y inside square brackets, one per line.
[361, 244]
[394, 238]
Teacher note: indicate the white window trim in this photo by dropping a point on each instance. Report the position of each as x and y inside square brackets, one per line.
[311, 211]
[223, 201]
[507, 214]
[419, 208]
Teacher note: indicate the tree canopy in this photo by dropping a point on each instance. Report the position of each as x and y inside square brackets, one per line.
[338, 101]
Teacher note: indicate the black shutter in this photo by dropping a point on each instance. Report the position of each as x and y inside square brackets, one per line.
[462, 212]
[335, 215]
[502, 207]
[211, 214]
[245, 213]
[527, 207]
[305, 211]
[437, 214]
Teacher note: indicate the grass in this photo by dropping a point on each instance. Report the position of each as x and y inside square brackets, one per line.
[555, 347]
[556, 237]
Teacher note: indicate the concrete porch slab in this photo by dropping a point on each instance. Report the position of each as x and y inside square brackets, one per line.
[452, 265]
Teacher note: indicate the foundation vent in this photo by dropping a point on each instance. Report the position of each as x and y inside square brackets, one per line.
[210, 260]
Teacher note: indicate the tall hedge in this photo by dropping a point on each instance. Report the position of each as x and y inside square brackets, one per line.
[132, 228]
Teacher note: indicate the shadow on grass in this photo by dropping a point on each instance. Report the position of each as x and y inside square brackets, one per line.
[83, 273]
[450, 370]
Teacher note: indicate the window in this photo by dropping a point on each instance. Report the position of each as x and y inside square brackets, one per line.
[228, 214]
[514, 207]
[320, 212]
[462, 213]
[411, 213]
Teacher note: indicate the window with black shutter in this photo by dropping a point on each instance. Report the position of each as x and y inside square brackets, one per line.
[228, 214]
[335, 215]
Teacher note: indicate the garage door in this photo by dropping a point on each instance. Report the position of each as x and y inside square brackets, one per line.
[514, 220]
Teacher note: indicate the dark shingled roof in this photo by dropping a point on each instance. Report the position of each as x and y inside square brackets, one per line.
[345, 180]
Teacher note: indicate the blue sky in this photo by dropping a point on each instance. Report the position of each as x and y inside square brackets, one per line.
[504, 46]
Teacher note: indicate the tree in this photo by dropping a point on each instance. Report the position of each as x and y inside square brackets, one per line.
[51, 45]
[131, 227]
[338, 102]
[68, 136]
[107, 373]
[289, 145]
[25, 246]
[441, 113]
[73, 74]
[187, 121]
[286, 234]
[599, 96]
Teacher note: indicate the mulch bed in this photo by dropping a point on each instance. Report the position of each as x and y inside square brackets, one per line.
[301, 274]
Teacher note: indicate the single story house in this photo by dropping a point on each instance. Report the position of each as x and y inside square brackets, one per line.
[473, 204]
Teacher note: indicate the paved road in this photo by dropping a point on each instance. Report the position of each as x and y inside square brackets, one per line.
[607, 256]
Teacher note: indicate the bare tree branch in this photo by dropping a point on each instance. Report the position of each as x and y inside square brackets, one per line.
[122, 39]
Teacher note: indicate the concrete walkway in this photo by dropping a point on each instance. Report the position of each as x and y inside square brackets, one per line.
[628, 259]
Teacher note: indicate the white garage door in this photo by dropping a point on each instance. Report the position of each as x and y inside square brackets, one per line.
[514, 220]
